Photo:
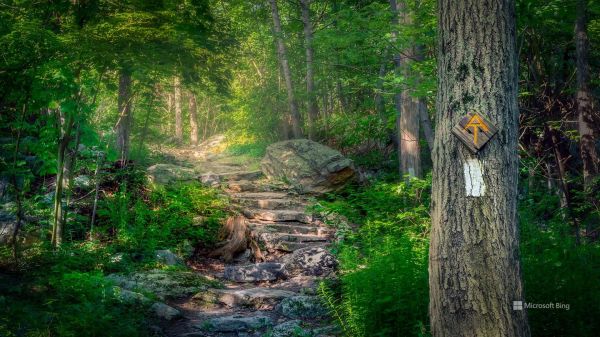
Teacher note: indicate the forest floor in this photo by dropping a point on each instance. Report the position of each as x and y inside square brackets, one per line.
[265, 298]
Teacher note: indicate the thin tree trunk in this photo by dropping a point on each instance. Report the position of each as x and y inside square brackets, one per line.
[66, 122]
[379, 101]
[474, 266]
[193, 120]
[19, 202]
[313, 108]
[585, 111]
[178, 112]
[295, 118]
[123, 127]
[408, 124]
[426, 123]
[99, 161]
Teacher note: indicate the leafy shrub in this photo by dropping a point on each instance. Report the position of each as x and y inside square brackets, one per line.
[389, 250]
[556, 270]
[164, 218]
[64, 293]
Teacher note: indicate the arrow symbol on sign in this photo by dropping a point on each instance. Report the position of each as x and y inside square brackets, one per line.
[476, 123]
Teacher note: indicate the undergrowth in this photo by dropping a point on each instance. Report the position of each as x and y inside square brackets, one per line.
[383, 283]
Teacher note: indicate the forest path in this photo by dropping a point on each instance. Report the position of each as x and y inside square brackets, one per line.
[275, 297]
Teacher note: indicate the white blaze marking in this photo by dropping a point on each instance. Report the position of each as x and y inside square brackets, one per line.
[474, 184]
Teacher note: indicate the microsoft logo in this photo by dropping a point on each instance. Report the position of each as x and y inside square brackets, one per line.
[517, 305]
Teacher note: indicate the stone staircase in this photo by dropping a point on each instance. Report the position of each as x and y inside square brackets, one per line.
[277, 297]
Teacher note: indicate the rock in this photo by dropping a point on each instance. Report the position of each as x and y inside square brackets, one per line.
[288, 329]
[168, 258]
[260, 298]
[164, 174]
[313, 167]
[164, 284]
[212, 144]
[8, 222]
[241, 175]
[164, 311]
[236, 323]
[129, 296]
[210, 179]
[267, 271]
[277, 215]
[302, 307]
[82, 182]
[310, 261]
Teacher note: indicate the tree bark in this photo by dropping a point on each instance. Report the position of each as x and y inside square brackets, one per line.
[585, 107]
[178, 112]
[474, 267]
[295, 118]
[313, 108]
[123, 127]
[193, 120]
[66, 121]
[409, 152]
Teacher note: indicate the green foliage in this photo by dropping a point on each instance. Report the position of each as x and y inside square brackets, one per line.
[64, 293]
[254, 150]
[556, 270]
[165, 218]
[389, 249]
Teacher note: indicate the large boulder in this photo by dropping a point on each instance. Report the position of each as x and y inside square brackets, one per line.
[313, 167]
[164, 174]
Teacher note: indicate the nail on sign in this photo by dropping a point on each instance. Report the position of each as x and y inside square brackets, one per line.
[474, 130]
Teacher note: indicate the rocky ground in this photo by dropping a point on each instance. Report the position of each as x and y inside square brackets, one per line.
[275, 297]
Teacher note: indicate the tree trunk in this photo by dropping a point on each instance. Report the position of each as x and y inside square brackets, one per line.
[408, 107]
[295, 118]
[584, 98]
[379, 101]
[123, 127]
[193, 120]
[474, 267]
[313, 108]
[178, 113]
[66, 120]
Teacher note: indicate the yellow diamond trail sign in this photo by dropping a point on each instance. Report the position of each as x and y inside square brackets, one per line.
[474, 130]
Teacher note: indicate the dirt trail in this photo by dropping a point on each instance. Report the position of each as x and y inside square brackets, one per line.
[276, 297]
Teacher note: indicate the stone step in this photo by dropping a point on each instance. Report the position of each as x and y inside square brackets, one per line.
[244, 186]
[241, 175]
[290, 247]
[292, 228]
[272, 238]
[277, 215]
[235, 323]
[274, 204]
[260, 195]
[258, 298]
[266, 271]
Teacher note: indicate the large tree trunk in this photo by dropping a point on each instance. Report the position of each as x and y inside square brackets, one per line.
[474, 267]
[193, 120]
[178, 113]
[295, 118]
[123, 127]
[313, 108]
[408, 107]
[584, 98]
